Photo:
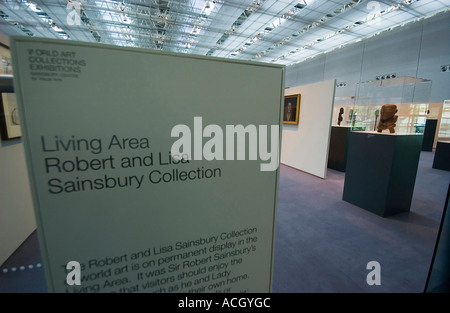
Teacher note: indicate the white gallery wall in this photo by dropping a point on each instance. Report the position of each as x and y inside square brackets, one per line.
[418, 50]
[305, 146]
[17, 220]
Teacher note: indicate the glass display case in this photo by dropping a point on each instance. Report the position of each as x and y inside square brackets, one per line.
[344, 105]
[410, 95]
[444, 130]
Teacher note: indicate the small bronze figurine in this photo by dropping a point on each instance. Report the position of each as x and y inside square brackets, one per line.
[341, 111]
[388, 118]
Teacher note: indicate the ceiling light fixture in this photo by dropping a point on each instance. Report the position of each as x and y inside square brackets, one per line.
[321, 21]
[252, 8]
[368, 19]
[270, 27]
[199, 24]
[115, 14]
[16, 24]
[46, 18]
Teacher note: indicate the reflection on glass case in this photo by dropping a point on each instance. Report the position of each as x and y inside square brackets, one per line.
[444, 130]
[398, 105]
[342, 111]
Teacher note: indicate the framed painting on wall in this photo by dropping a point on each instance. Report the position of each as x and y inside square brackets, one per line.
[9, 117]
[5, 60]
[291, 109]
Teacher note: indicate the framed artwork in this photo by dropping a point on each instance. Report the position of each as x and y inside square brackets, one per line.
[9, 117]
[5, 60]
[291, 109]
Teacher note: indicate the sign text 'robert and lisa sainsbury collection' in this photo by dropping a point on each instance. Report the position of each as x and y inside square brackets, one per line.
[154, 172]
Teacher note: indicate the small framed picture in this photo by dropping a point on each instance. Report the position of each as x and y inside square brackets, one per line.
[291, 109]
[5, 60]
[9, 117]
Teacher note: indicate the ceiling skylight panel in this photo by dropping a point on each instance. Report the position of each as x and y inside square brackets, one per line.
[310, 28]
[205, 9]
[400, 16]
[45, 18]
[250, 10]
[365, 30]
[269, 27]
[428, 8]
[115, 12]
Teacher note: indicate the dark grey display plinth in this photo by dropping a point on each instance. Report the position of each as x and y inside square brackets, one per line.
[442, 156]
[6, 84]
[381, 171]
[428, 135]
[337, 152]
[438, 280]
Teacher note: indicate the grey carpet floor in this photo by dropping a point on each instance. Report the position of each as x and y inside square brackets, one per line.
[323, 244]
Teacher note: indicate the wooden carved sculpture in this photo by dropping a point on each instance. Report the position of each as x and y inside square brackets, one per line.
[341, 111]
[388, 118]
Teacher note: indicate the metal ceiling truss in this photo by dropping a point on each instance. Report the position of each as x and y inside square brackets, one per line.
[347, 29]
[319, 23]
[229, 28]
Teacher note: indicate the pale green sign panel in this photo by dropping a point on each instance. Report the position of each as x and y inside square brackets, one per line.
[108, 194]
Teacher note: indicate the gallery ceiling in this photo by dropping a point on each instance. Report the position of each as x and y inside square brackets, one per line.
[273, 31]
